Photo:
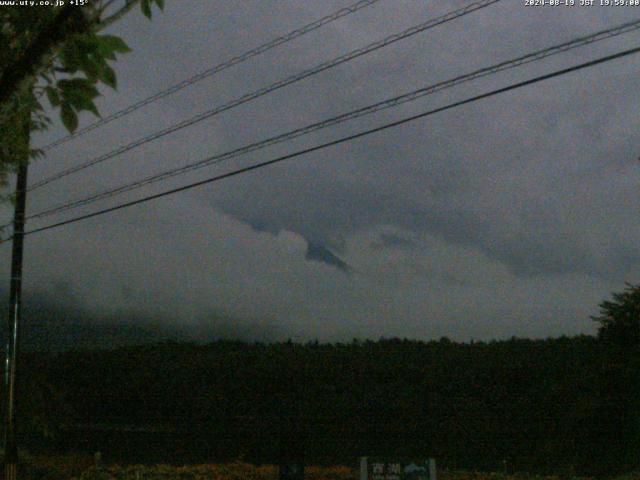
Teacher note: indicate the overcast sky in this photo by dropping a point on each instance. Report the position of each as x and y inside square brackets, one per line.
[514, 215]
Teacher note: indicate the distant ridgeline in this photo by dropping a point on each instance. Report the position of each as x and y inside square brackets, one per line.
[566, 405]
[51, 324]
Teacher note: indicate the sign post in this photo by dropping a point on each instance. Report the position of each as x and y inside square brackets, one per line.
[382, 468]
[291, 470]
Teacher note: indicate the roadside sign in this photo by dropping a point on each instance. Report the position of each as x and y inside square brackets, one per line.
[291, 470]
[388, 468]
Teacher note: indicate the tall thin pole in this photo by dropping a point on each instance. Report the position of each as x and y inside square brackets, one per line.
[13, 321]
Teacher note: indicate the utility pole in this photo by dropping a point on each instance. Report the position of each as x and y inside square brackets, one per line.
[13, 320]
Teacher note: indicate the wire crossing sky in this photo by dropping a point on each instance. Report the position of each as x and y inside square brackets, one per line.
[622, 29]
[343, 12]
[455, 14]
[516, 215]
[349, 138]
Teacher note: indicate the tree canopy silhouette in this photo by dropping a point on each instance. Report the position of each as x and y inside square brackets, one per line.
[54, 52]
[620, 318]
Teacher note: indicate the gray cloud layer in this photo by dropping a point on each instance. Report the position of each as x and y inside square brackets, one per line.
[511, 216]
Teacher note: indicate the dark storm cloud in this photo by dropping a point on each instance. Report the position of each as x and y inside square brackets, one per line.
[514, 215]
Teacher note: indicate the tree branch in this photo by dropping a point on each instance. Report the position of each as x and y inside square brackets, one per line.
[114, 17]
[107, 4]
[71, 19]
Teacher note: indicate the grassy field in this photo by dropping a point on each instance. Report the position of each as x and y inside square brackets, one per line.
[244, 471]
[81, 468]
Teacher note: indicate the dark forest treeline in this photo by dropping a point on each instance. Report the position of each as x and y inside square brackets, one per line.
[551, 406]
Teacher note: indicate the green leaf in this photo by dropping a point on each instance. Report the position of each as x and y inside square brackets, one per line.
[87, 44]
[106, 52]
[91, 67]
[108, 76]
[78, 87]
[78, 94]
[69, 117]
[82, 103]
[145, 6]
[111, 43]
[160, 4]
[36, 153]
[52, 95]
[91, 107]
[70, 57]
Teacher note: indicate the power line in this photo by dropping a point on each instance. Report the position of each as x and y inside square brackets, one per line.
[268, 89]
[348, 138]
[343, 12]
[392, 102]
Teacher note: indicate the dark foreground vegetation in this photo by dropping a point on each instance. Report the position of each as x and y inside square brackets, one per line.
[567, 405]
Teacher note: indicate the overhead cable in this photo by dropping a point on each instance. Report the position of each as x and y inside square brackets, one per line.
[385, 104]
[268, 89]
[348, 138]
[343, 12]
